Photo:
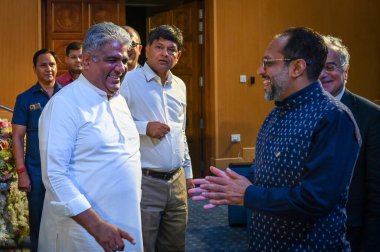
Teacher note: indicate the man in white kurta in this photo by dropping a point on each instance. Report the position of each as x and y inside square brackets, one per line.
[91, 162]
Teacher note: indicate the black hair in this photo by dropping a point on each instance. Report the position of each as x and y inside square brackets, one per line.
[40, 52]
[168, 32]
[304, 43]
[73, 46]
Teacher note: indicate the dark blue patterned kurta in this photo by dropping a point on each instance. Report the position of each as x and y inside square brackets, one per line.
[305, 154]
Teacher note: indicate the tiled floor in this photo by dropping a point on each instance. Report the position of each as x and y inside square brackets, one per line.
[208, 230]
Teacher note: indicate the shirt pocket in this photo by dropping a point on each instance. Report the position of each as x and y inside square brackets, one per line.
[34, 115]
[178, 141]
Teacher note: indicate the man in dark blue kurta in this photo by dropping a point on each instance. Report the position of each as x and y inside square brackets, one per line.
[27, 111]
[305, 154]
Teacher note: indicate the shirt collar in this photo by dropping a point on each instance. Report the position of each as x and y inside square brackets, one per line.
[38, 88]
[151, 75]
[339, 96]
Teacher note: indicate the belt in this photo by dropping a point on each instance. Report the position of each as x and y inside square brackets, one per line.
[160, 175]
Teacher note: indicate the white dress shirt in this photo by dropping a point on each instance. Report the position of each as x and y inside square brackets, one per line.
[149, 100]
[341, 93]
[90, 158]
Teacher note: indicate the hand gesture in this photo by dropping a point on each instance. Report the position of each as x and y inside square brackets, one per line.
[157, 129]
[226, 188]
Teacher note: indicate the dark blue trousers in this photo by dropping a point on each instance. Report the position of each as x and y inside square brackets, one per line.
[35, 202]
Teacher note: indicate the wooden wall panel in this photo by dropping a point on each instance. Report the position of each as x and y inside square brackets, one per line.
[237, 34]
[188, 69]
[68, 21]
[67, 17]
[20, 38]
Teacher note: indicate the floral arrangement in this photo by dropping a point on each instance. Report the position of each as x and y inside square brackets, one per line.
[13, 203]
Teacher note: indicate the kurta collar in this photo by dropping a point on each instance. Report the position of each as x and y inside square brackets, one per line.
[97, 90]
[299, 97]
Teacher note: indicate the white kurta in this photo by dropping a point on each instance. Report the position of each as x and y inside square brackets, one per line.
[90, 158]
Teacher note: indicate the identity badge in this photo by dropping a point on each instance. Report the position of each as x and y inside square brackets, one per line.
[35, 106]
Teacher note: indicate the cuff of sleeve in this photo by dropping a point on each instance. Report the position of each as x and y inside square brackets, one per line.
[141, 127]
[188, 172]
[251, 197]
[73, 207]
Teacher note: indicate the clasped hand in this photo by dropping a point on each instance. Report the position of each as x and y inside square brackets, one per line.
[226, 188]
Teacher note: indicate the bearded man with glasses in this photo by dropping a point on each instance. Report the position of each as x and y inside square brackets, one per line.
[305, 153]
[363, 206]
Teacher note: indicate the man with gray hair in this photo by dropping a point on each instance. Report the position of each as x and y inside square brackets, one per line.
[363, 206]
[135, 50]
[90, 155]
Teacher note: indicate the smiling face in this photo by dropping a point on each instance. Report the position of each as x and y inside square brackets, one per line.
[333, 76]
[106, 68]
[162, 55]
[46, 69]
[135, 50]
[275, 73]
[74, 61]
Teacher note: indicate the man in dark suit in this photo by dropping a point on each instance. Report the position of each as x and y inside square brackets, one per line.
[363, 206]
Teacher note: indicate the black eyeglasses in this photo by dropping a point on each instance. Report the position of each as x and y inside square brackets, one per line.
[134, 44]
[268, 62]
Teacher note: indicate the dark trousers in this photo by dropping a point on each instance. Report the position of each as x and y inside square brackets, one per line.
[35, 202]
[354, 237]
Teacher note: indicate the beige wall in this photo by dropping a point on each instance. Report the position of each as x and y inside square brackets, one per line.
[20, 38]
[237, 34]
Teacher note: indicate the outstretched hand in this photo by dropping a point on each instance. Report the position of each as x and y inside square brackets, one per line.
[226, 188]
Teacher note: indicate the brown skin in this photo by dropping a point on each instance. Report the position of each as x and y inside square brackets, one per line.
[74, 62]
[135, 52]
[226, 188]
[157, 129]
[334, 81]
[106, 68]
[291, 78]
[108, 236]
[45, 70]
[162, 55]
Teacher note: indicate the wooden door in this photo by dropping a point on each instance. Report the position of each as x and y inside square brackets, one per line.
[68, 20]
[189, 70]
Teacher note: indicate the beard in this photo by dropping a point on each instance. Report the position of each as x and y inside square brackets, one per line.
[279, 84]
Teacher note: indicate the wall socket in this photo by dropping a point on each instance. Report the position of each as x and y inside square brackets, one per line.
[235, 138]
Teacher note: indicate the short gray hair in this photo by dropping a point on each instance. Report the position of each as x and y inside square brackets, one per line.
[337, 46]
[100, 34]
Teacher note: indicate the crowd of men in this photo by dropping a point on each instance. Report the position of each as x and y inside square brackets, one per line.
[107, 167]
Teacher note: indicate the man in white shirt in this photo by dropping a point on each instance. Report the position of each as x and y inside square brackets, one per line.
[90, 155]
[157, 100]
